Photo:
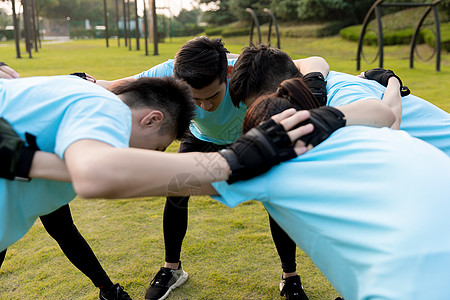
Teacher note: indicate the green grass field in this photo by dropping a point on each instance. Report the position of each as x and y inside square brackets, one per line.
[228, 252]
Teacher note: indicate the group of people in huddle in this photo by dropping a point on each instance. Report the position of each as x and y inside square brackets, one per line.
[354, 170]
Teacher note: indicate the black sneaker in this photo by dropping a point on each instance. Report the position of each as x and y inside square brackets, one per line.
[116, 292]
[164, 282]
[291, 288]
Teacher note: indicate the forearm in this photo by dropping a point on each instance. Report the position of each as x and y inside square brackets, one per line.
[370, 112]
[99, 170]
[125, 173]
[393, 100]
[107, 83]
[49, 166]
[7, 72]
[104, 83]
[207, 168]
[313, 64]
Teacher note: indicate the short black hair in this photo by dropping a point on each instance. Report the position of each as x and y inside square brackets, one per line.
[260, 69]
[200, 61]
[173, 98]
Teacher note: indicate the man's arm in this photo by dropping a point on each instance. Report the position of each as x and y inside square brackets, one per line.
[370, 112]
[392, 96]
[314, 70]
[7, 72]
[160, 70]
[49, 166]
[107, 83]
[98, 170]
[313, 64]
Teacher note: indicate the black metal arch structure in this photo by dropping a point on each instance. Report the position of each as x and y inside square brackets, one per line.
[376, 8]
[255, 23]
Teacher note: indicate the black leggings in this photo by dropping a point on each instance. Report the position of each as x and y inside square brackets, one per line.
[60, 226]
[2, 257]
[175, 220]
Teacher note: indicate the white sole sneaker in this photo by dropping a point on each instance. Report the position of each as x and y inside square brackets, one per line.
[181, 276]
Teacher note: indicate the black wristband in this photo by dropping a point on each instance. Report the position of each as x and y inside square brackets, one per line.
[3, 63]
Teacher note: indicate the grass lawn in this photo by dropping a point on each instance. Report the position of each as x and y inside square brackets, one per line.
[228, 252]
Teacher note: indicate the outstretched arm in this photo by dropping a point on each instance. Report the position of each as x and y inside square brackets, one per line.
[107, 83]
[369, 112]
[7, 72]
[392, 99]
[49, 166]
[101, 171]
[314, 70]
[98, 170]
[392, 96]
[313, 64]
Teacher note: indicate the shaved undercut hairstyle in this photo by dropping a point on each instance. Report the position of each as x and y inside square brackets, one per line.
[173, 98]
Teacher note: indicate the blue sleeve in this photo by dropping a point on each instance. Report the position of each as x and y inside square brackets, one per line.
[238, 192]
[85, 119]
[161, 70]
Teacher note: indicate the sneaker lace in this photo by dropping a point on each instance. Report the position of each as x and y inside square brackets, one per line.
[161, 278]
[116, 292]
[292, 289]
[121, 294]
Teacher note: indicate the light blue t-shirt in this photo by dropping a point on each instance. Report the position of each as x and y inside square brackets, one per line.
[420, 118]
[221, 126]
[369, 206]
[57, 110]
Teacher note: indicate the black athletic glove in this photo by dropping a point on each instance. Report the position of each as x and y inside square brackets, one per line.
[258, 150]
[317, 85]
[15, 156]
[326, 120]
[382, 76]
[79, 74]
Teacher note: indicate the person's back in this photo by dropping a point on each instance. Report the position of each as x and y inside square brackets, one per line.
[420, 118]
[54, 110]
[369, 206]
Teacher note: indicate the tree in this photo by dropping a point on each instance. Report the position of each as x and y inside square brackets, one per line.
[5, 19]
[220, 16]
[238, 7]
[189, 16]
[350, 11]
[78, 10]
[285, 9]
[62, 9]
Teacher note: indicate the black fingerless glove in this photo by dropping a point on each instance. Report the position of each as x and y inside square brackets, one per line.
[79, 74]
[15, 156]
[382, 76]
[317, 85]
[258, 150]
[326, 120]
